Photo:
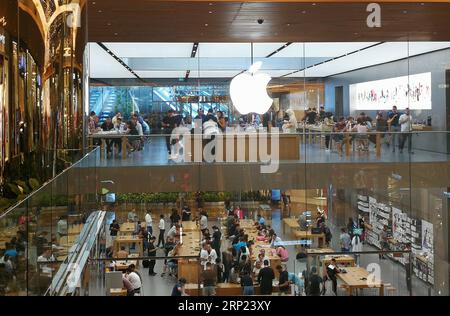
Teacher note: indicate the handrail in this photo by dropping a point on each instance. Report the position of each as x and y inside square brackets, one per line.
[32, 194]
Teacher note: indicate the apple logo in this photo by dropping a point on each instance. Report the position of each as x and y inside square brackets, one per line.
[248, 91]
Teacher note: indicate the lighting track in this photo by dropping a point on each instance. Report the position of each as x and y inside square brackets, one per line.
[193, 55]
[332, 59]
[279, 49]
[119, 60]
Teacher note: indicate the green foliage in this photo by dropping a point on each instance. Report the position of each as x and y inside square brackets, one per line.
[172, 197]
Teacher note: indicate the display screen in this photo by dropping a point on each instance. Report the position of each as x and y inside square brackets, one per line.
[408, 91]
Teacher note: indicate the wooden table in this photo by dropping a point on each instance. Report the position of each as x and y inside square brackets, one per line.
[189, 226]
[223, 289]
[292, 223]
[127, 228]
[122, 265]
[300, 234]
[128, 240]
[247, 224]
[354, 279]
[190, 247]
[341, 260]
[118, 292]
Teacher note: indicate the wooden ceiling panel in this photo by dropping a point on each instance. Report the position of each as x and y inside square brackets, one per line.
[293, 21]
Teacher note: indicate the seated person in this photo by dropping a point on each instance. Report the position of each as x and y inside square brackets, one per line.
[283, 254]
[234, 274]
[274, 240]
[122, 253]
[174, 231]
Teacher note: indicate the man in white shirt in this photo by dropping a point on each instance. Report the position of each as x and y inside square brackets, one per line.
[162, 229]
[174, 231]
[203, 221]
[132, 216]
[46, 256]
[61, 227]
[207, 255]
[406, 129]
[134, 279]
[149, 222]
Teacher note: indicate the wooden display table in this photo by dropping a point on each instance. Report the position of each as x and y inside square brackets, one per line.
[127, 228]
[230, 145]
[122, 265]
[358, 278]
[299, 234]
[128, 240]
[292, 223]
[189, 226]
[118, 292]
[223, 289]
[341, 260]
[190, 247]
[247, 224]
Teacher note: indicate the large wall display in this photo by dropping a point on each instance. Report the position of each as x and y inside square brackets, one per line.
[412, 91]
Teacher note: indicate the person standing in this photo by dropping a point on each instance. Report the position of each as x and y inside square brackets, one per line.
[209, 280]
[247, 284]
[406, 129]
[151, 252]
[203, 221]
[162, 229]
[407, 262]
[394, 125]
[283, 283]
[149, 222]
[384, 244]
[265, 278]
[314, 282]
[216, 240]
[179, 288]
[345, 240]
[332, 271]
[186, 214]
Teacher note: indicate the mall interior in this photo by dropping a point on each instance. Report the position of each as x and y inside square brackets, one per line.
[229, 148]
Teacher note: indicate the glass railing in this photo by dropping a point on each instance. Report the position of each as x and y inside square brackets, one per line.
[310, 146]
[406, 194]
[36, 234]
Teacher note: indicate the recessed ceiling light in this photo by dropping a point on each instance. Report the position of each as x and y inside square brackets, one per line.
[100, 11]
[404, 12]
[355, 33]
[288, 24]
[210, 12]
[206, 24]
[314, 3]
[109, 24]
[303, 11]
[210, 3]
[116, 34]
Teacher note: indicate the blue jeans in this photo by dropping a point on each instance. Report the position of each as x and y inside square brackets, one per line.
[249, 290]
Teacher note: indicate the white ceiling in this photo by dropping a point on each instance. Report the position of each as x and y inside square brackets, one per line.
[102, 65]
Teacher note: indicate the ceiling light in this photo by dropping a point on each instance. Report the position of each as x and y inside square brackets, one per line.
[288, 24]
[404, 12]
[100, 11]
[116, 34]
[206, 24]
[314, 3]
[210, 12]
[303, 11]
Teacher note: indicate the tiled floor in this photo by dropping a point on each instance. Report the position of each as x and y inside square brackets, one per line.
[155, 153]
